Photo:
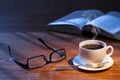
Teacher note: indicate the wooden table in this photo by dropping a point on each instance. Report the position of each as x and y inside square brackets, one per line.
[26, 44]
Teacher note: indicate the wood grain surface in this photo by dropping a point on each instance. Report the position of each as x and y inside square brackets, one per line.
[25, 44]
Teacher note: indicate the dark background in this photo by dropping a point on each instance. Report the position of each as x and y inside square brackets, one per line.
[55, 6]
[38, 13]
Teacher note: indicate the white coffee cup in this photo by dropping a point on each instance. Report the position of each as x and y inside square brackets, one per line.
[94, 51]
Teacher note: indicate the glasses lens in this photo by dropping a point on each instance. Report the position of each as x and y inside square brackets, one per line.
[36, 62]
[58, 55]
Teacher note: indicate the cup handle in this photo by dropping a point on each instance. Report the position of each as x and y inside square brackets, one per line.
[111, 50]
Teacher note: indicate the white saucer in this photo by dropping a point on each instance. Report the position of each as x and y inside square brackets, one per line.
[78, 61]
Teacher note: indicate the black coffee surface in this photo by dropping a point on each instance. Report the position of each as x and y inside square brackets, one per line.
[92, 46]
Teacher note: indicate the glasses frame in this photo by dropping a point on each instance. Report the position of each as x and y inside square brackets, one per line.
[26, 66]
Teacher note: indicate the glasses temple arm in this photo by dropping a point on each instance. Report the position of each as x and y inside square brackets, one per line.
[49, 47]
[45, 44]
[22, 65]
[10, 51]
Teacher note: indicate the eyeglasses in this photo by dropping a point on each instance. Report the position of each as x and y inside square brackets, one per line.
[38, 61]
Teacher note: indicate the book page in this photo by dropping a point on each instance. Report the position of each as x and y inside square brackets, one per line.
[77, 18]
[109, 23]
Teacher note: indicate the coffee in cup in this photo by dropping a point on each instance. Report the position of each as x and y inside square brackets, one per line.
[94, 51]
[92, 46]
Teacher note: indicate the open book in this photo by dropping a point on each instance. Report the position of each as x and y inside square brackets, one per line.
[95, 21]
